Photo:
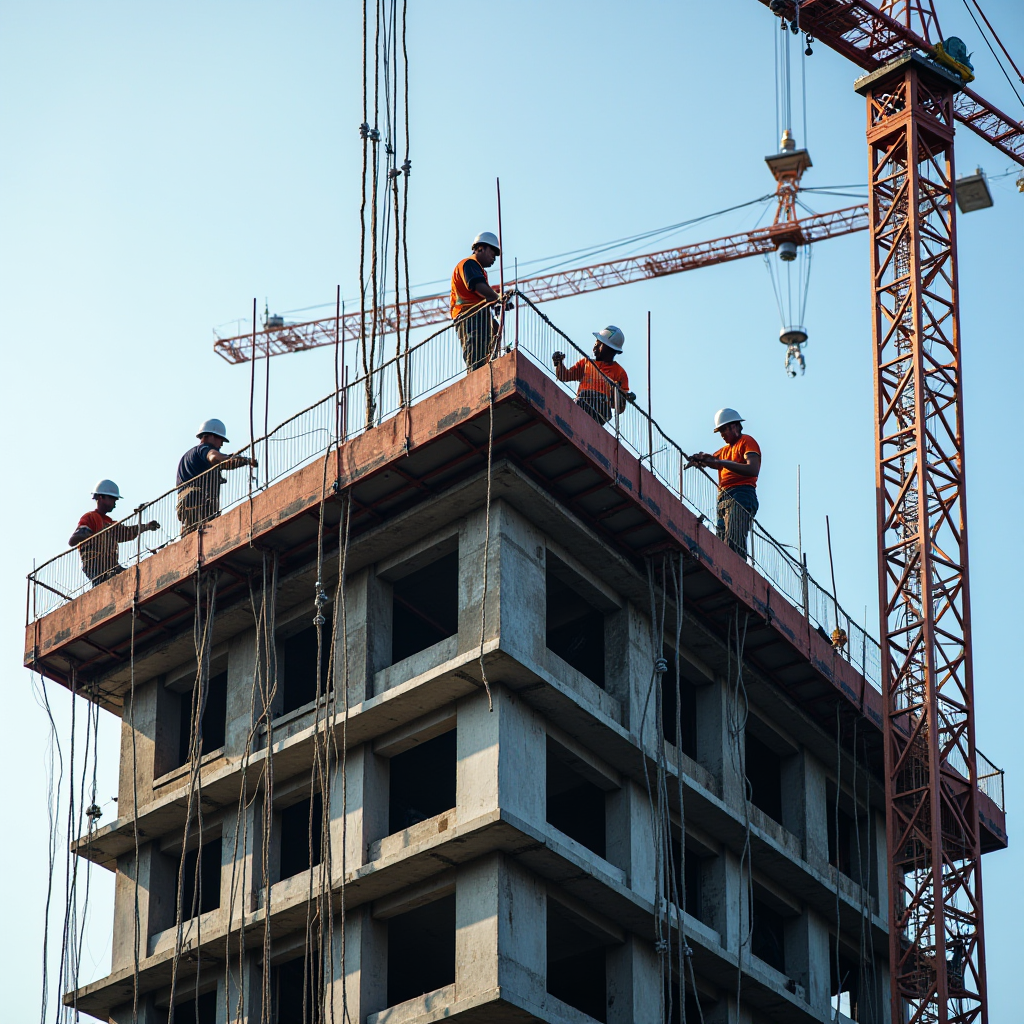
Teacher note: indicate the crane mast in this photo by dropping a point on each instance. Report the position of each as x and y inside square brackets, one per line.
[937, 963]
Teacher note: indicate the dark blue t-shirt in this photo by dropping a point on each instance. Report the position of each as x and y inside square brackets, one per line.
[193, 462]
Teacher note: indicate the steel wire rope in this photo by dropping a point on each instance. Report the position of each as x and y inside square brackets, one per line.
[364, 133]
[406, 171]
[738, 711]
[53, 812]
[835, 826]
[995, 55]
[487, 527]
[375, 174]
[137, 915]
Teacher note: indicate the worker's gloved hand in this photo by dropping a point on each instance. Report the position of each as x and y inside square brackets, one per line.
[151, 526]
[557, 358]
[630, 396]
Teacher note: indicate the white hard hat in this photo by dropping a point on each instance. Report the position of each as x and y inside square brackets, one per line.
[726, 416]
[107, 487]
[487, 238]
[612, 337]
[213, 426]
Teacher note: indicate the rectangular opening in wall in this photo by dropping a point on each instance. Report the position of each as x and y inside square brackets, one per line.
[695, 1011]
[575, 805]
[196, 1009]
[845, 982]
[421, 950]
[297, 668]
[296, 989]
[425, 607]
[575, 624]
[842, 834]
[301, 836]
[686, 702]
[768, 935]
[422, 782]
[764, 773]
[212, 722]
[200, 879]
[576, 962]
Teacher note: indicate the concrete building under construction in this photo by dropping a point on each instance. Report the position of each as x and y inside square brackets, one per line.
[469, 715]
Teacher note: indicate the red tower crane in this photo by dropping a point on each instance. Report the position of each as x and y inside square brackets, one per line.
[936, 934]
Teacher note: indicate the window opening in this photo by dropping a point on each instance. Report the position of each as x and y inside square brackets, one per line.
[425, 607]
[576, 963]
[693, 1010]
[691, 886]
[575, 805]
[298, 678]
[422, 782]
[421, 950]
[575, 628]
[302, 828]
[207, 857]
[845, 986]
[296, 991]
[201, 1010]
[842, 843]
[213, 723]
[687, 709]
[764, 773]
[768, 935]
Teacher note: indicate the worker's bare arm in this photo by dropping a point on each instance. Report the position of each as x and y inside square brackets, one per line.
[78, 536]
[485, 291]
[750, 467]
[216, 458]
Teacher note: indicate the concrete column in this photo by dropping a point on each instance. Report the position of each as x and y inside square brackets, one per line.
[501, 757]
[805, 806]
[241, 872]
[147, 1013]
[717, 748]
[880, 867]
[500, 932]
[630, 838]
[366, 807]
[807, 959]
[726, 899]
[630, 669]
[155, 733]
[361, 983]
[241, 708]
[634, 983]
[156, 900]
[366, 626]
[245, 991]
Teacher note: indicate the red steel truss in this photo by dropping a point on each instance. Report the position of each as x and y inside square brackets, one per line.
[433, 309]
[937, 960]
[871, 37]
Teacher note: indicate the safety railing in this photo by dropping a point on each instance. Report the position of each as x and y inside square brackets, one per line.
[383, 391]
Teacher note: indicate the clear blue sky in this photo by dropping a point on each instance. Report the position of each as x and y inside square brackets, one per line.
[164, 163]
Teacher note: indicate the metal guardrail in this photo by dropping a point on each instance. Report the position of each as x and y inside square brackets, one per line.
[426, 368]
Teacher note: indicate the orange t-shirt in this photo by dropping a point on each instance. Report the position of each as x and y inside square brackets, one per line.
[592, 376]
[737, 453]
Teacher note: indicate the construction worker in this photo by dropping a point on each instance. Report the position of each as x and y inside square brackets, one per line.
[198, 482]
[470, 298]
[97, 535]
[738, 463]
[599, 377]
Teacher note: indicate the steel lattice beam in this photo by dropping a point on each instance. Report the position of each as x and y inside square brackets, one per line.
[433, 309]
[937, 958]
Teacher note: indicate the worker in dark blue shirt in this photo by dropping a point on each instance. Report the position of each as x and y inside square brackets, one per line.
[198, 480]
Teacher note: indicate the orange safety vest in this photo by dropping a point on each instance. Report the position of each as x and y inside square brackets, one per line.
[463, 297]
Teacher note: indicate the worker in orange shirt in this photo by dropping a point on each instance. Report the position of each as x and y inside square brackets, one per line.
[738, 463]
[600, 378]
[470, 300]
[97, 535]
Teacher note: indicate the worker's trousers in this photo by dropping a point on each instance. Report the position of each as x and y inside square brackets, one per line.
[477, 335]
[737, 507]
[197, 505]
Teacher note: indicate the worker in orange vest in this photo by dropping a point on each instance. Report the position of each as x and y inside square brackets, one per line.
[738, 463]
[471, 299]
[599, 377]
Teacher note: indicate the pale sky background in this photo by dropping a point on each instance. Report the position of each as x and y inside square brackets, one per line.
[164, 163]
